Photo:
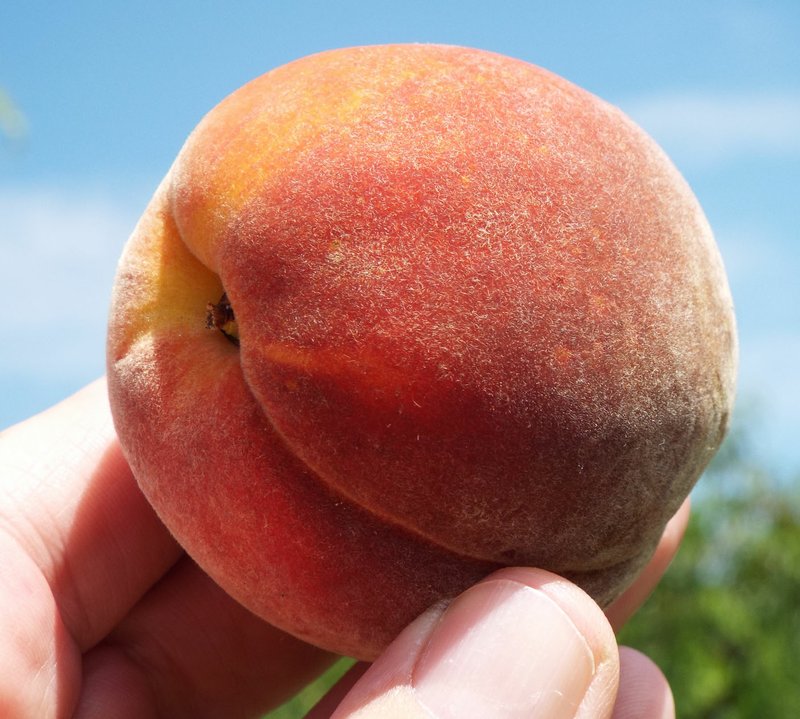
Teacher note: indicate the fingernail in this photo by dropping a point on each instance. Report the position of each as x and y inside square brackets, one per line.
[503, 649]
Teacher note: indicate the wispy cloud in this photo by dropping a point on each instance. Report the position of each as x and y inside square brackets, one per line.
[59, 250]
[698, 128]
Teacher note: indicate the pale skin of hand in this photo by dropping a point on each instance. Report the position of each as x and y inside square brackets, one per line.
[103, 615]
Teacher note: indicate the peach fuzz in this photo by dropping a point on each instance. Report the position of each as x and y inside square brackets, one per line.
[401, 315]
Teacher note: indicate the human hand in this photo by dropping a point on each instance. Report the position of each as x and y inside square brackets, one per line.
[103, 615]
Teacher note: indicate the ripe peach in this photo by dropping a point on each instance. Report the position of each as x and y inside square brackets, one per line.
[463, 315]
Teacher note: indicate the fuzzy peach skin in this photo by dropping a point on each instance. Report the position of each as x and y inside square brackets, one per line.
[481, 322]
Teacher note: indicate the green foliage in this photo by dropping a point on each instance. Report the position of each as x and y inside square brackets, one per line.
[724, 625]
[300, 705]
[12, 122]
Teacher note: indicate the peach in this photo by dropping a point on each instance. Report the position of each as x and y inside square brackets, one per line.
[399, 316]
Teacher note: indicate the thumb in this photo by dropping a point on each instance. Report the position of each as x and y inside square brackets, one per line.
[520, 643]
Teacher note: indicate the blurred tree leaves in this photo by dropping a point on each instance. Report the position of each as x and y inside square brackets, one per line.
[724, 625]
[13, 124]
[300, 705]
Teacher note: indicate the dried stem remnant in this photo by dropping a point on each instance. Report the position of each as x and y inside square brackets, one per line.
[220, 316]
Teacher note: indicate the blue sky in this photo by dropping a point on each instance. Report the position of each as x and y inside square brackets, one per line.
[109, 91]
